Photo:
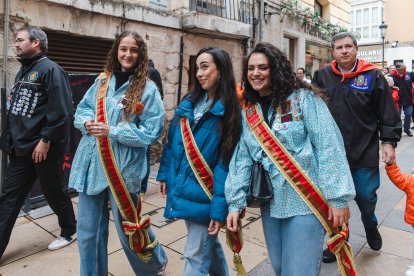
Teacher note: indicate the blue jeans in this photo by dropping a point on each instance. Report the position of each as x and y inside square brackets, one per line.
[408, 110]
[294, 244]
[203, 253]
[92, 229]
[367, 182]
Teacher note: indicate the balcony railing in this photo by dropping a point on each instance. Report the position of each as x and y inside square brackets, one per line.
[239, 10]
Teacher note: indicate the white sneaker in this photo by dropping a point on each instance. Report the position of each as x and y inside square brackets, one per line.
[61, 242]
[410, 272]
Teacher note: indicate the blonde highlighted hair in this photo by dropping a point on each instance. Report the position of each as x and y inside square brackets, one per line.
[139, 78]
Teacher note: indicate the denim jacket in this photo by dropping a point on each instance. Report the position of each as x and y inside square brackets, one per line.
[310, 134]
[129, 139]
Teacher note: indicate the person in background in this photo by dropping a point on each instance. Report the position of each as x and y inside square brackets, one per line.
[391, 69]
[155, 76]
[36, 137]
[300, 74]
[403, 81]
[359, 99]
[394, 91]
[120, 116]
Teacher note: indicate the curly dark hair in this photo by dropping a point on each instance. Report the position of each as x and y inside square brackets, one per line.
[283, 80]
[231, 126]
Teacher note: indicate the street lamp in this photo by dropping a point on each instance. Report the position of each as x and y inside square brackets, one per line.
[383, 28]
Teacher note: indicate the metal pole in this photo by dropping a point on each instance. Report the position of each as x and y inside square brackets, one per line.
[4, 88]
[383, 52]
[261, 19]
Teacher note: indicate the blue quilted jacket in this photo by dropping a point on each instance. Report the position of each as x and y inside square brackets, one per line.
[185, 197]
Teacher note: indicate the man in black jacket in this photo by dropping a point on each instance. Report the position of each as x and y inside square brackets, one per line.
[36, 136]
[360, 101]
[403, 81]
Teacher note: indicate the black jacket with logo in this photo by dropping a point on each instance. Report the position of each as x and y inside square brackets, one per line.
[362, 105]
[40, 106]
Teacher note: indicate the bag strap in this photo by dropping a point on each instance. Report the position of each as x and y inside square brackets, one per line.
[135, 226]
[204, 175]
[304, 187]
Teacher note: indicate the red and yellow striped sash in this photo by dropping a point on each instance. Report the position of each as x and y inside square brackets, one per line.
[204, 175]
[304, 187]
[135, 226]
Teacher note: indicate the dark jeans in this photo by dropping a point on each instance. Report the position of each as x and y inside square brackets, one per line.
[21, 174]
[367, 182]
[408, 110]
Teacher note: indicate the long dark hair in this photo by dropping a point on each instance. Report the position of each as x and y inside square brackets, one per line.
[226, 92]
[136, 88]
[283, 80]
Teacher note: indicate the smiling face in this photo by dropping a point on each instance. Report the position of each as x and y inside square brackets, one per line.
[258, 73]
[128, 54]
[207, 73]
[345, 52]
[24, 47]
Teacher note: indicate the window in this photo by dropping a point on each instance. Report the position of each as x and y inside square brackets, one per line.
[365, 19]
[374, 15]
[374, 31]
[365, 16]
[318, 8]
[289, 48]
[365, 32]
[358, 17]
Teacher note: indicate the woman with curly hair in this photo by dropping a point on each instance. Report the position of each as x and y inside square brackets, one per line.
[120, 116]
[211, 115]
[297, 116]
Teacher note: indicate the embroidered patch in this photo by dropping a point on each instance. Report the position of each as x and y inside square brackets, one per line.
[362, 82]
[33, 76]
[286, 118]
[298, 117]
[279, 127]
[103, 81]
[286, 107]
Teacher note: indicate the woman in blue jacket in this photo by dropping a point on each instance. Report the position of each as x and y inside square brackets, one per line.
[215, 120]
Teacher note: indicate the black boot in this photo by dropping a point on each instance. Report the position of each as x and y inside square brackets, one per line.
[373, 238]
[328, 256]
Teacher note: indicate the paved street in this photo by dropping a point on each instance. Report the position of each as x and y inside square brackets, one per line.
[27, 253]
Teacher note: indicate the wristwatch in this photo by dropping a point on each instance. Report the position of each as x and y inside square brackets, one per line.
[393, 144]
[46, 140]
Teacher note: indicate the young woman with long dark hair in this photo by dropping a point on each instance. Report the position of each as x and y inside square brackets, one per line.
[212, 114]
[300, 120]
[119, 117]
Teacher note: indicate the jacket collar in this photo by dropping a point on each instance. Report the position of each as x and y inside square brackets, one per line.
[29, 61]
[362, 66]
[186, 108]
[401, 77]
